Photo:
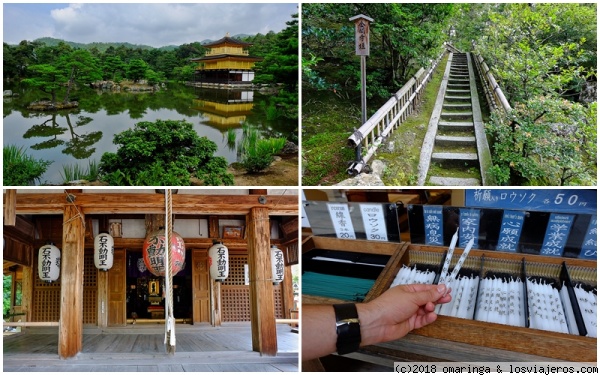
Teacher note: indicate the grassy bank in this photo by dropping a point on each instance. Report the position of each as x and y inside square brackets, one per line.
[402, 150]
[327, 122]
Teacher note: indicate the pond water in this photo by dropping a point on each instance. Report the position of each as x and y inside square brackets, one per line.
[77, 136]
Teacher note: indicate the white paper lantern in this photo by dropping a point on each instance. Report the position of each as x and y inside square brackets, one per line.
[49, 263]
[104, 251]
[218, 259]
[277, 264]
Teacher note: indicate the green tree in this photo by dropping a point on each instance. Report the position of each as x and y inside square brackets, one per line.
[136, 69]
[530, 51]
[113, 66]
[163, 153]
[47, 78]
[184, 73]
[403, 38]
[280, 64]
[541, 57]
[81, 66]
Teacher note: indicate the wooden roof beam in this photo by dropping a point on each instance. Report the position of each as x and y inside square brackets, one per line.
[45, 204]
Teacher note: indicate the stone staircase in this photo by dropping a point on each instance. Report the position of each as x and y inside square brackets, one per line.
[450, 155]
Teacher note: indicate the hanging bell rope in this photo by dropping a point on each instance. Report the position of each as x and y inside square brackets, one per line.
[169, 316]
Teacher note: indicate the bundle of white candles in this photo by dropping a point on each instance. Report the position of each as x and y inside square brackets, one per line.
[464, 294]
[588, 306]
[501, 301]
[408, 275]
[546, 309]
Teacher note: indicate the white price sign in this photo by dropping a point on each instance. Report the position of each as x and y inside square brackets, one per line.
[342, 223]
[374, 222]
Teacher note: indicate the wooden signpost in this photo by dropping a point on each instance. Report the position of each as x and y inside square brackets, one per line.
[362, 33]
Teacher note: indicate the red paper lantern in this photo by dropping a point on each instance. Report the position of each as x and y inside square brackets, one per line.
[154, 253]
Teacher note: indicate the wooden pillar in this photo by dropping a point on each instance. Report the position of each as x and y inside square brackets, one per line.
[216, 303]
[10, 207]
[213, 227]
[70, 333]
[287, 292]
[262, 302]
[27, 293]
[102, 282]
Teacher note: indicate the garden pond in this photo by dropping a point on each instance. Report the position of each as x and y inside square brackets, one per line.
[81, 135]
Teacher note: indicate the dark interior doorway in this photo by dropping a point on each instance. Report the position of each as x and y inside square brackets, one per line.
[146, 292]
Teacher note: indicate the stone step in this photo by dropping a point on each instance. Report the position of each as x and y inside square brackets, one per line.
[447, 140]
[454, 157]
[454, 98]
[458, 105]
[456, 125]
[457, 114]
[458, 91]
[454, 181]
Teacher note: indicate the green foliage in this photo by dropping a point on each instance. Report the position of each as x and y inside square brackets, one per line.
[6, 286]
[76, 172]
[165, 153]
[403, 38]
[47, 78]
[280, 63]
[545, 141]
[21, 169]
[258, 153]
[539, 49]
[136, 69]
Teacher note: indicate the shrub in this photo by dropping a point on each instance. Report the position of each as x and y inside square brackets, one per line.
[163, 153]
[21, 169]
[259, 156]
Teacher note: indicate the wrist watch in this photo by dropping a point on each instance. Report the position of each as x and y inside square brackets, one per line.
[347, 328]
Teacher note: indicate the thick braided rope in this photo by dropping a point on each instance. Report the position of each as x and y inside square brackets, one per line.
[170, 329]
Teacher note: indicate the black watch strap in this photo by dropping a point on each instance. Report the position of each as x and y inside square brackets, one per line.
[348, 328]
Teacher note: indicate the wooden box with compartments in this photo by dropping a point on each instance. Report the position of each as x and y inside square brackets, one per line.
[380, 262]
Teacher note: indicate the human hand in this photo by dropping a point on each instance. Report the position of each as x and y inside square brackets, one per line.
[400, 310]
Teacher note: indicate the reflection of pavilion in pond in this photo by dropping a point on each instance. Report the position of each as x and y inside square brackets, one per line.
[224, 108]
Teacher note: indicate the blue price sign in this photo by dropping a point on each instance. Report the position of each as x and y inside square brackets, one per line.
[510, 231]
[434, 227]
[555, 200]
[469, 227]
[589, 248]
[557, 233]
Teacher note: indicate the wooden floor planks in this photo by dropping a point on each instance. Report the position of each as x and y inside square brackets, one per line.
[141, 349]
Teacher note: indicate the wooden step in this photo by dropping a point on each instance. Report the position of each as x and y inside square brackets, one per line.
[453, 181]
[447, 140]
[458, 91]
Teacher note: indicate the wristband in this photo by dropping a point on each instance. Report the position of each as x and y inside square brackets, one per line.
[347, 327]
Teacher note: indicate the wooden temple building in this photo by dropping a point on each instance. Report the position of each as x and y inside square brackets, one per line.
[127, 296]
[227, 62]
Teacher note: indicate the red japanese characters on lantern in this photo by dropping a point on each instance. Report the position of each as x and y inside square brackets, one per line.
[154, 253]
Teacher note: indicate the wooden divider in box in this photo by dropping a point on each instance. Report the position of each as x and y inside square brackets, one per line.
[528, 341]
[393, 250]
[517, 339]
